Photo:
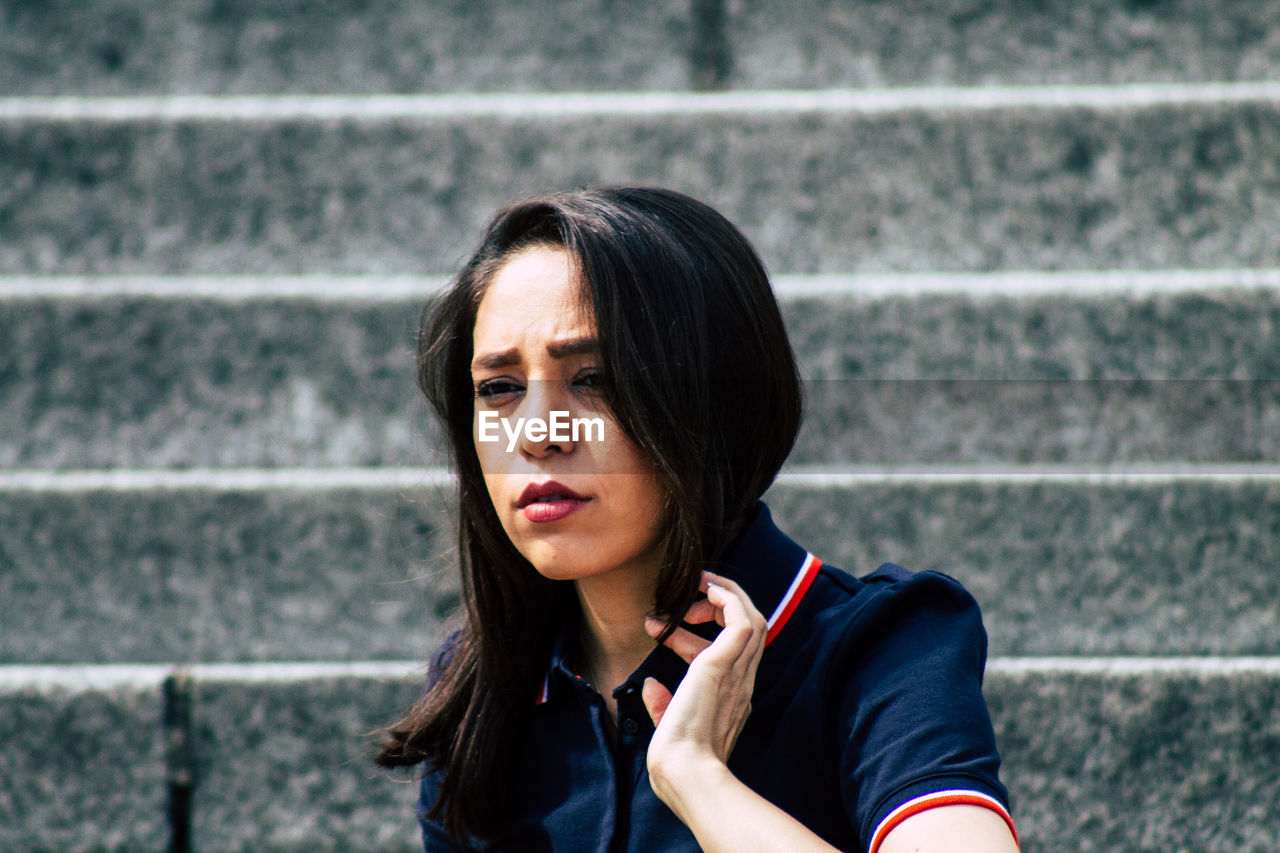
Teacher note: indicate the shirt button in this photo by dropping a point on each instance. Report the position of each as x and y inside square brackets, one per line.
[629, 726]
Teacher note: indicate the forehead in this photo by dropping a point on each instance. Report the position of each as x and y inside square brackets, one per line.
[533, 296]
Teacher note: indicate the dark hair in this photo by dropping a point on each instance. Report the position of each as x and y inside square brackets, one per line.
[701, 377]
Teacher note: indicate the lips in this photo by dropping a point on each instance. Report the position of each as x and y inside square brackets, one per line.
[545, 492]
[545, 502]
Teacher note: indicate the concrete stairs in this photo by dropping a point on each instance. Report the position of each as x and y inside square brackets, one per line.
[1028, 257]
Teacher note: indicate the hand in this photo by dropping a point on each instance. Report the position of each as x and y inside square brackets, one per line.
[698, 726]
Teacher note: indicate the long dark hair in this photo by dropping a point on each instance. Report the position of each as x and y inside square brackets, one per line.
[701, 377]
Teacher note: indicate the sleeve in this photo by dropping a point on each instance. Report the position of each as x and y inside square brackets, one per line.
[434, 837]
[916, 733]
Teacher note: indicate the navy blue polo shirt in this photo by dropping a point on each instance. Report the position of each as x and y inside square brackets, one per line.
[867, 709]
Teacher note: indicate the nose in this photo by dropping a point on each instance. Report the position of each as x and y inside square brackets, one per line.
[547, 415]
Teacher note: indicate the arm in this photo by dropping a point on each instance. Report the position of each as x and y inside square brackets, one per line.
[726, 815]
[951, 829]
[697, 727]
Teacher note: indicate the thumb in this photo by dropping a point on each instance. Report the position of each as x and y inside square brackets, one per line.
[656, 698]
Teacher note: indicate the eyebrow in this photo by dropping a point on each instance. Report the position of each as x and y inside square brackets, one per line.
[557, 349]
[573, 346]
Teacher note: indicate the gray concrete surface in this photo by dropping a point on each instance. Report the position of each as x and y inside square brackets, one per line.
[126, 47]
[1140, 755]
[1071, 568]
[216, 574]
[129, 47]
[178, 383]
[941, 42]
[1141, 761]
[1018, 188]
[223, 575]
[1112, 379]
[287, 766]
[82, 767]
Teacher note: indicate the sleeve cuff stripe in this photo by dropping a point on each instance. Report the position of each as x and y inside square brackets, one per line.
[934, 800]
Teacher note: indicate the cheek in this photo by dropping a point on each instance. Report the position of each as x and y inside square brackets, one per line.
[645, 518]
[492, 454]
[494, 487]
[646, 506]
[488, 459]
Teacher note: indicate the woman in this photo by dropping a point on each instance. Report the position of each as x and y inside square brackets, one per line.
[617, 684]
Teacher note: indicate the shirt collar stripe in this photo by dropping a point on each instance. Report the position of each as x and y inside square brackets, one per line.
[934, 800]
[799, 586]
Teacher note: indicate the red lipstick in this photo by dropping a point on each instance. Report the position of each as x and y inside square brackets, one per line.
[551, 501]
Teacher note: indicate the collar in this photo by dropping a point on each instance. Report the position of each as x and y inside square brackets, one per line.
[772, 569]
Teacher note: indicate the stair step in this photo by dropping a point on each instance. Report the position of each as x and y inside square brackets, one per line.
[211, 566]
[281, 565]
[286, 46]
[133, 47]
[947, 179]
[1101, 368]
[1156, 754]
[1086, 562]
[829, 42]
[306, 738]
[83, 765]
[1138, 753]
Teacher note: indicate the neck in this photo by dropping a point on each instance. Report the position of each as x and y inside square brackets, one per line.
[613, 609]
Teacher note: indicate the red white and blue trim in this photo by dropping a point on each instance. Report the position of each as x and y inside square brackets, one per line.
[935, 800]
[791, 599]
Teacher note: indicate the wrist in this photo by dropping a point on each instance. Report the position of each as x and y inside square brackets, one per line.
[680, 778]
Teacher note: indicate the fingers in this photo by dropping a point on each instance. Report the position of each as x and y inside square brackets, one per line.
[738, 615]
[713, 702]
[702, 611]
[684, 643]
[656, 699]
[743, 637]
[727, 603]
[748, 609]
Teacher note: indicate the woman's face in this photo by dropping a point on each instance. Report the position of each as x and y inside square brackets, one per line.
[575, 506]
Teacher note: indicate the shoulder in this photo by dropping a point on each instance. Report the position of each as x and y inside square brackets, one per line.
[853, 646]
[905, 671]
[443, 657]
[888, 585]
[882, 674]
[888, 607]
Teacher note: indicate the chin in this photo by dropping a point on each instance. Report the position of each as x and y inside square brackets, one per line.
[552, 563]
[560, 570]
[558, 573]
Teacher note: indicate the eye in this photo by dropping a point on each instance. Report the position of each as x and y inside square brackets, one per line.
[591, 379]
[498, 391]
